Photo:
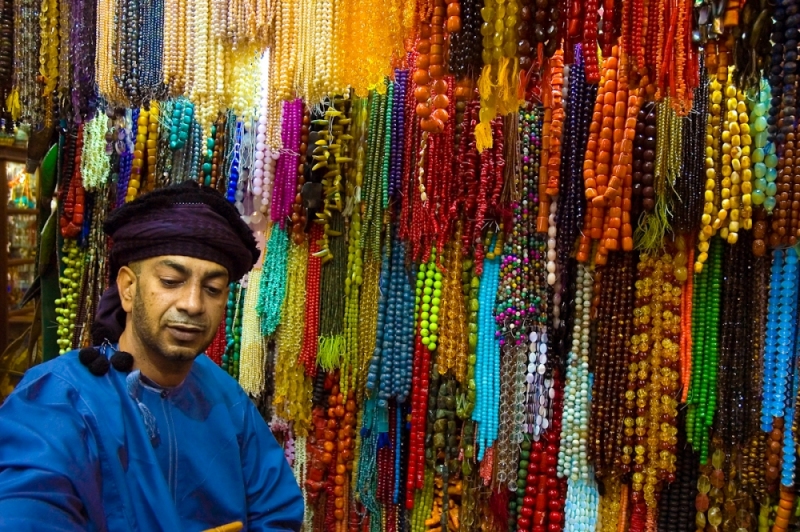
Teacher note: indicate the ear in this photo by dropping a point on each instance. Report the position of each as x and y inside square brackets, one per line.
[126, 285]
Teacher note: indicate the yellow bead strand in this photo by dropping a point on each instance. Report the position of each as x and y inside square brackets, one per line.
[610, 506]
[252, 353]
[242, 80]
[368, 322]
[274, 107]
[135, 182]
[48, 55]
[727, 155]
[710, 208]
[371, 38]
[745, 163]
[453, 344]
[285, 49]
[292, 389]
[104, 58]
[151, 154]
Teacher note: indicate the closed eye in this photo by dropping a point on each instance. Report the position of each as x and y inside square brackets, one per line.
[213, 290]
[170, 283]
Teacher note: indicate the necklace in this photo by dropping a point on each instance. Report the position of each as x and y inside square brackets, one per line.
[48, 57]
[703, 388]
[251, 357]
[273, 284]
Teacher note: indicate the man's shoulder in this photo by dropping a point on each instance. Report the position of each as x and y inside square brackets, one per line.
[62, 377]
[66, 368]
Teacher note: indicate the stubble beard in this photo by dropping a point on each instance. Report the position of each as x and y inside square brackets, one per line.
[145, 331]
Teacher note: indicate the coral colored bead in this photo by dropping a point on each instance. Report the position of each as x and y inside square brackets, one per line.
[440, 115]
[453, 24]
[440, 101]
[421, 77]
[422, 94]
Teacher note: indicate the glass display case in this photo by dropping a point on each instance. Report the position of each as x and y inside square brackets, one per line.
[19, 235]
[19, 227]
[21, 231]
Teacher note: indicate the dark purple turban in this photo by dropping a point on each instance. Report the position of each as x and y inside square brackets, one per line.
[186, 219]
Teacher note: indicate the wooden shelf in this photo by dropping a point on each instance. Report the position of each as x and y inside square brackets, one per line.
[17, 154]
[22, 315]
[20, 262]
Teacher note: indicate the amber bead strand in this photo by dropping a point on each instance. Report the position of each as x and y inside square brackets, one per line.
[452, 350]
[653, 367]
[786, 217]
[593, 220]
[552, 141]
[774, 456]
[610, 359]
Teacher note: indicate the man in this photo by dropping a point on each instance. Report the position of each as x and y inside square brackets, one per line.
[144, 433]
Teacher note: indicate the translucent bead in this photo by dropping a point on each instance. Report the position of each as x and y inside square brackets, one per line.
[703, 484]
[772, 189]
[700, 520]
[771, 160]
[714, 516]
[717, 459]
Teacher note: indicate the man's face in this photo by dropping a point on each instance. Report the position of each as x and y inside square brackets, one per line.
[176, 305]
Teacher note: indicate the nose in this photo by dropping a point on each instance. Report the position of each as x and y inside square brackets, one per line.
[191, 300]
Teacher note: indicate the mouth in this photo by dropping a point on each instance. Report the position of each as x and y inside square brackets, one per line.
[185, 333]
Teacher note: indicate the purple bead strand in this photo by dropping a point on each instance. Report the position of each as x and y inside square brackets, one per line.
[398, 131]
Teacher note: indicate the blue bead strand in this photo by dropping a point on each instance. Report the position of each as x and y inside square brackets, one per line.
[487, 367]
[770, 343]
[233, 175]
[398, 332]
[405, 345]
[382, 347]
[582, 504]
[786, 372]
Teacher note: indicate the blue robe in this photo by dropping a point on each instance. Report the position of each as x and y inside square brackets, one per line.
[78, 452]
